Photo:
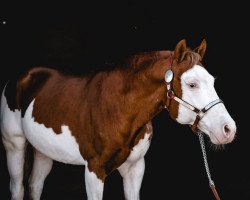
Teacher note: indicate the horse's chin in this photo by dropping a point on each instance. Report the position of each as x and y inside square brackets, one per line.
[218, 141]
[215, 140]
[214, 144]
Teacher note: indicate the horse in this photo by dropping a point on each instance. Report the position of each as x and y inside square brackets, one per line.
[103, 120]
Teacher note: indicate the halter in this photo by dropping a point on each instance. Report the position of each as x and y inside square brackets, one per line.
[199, 115]
[200, 112]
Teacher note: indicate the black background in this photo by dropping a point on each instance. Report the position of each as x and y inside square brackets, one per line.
[81, 38]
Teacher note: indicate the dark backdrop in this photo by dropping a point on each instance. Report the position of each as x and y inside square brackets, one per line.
[82, 38]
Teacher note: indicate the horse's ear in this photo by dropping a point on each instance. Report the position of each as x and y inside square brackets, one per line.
[179, 50]
[202, 48]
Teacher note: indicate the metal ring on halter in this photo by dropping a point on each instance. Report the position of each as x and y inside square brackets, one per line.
[170, 94]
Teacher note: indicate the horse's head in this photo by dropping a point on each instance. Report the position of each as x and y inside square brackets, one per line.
[195, 95]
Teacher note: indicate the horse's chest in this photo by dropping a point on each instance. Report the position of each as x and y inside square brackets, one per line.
[140, 149]
[60, 147]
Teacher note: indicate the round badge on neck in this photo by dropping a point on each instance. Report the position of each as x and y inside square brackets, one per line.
[169, 76]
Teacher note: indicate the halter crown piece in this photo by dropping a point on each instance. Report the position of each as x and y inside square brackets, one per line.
[200, 114]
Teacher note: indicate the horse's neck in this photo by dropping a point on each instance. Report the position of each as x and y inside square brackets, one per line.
[140, 95]
[145, 98]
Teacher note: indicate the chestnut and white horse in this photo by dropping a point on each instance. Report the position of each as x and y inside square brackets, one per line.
[103, 120]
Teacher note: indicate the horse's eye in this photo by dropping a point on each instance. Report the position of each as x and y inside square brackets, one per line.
[192, 85]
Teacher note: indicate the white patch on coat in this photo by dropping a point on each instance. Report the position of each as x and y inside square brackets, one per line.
[60, 147]
[217, 117]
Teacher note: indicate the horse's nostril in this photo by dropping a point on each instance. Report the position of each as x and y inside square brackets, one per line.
[227, 131]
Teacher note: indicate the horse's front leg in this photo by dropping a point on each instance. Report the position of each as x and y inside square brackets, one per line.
[94, 185]
[132, 173]
[132, 170]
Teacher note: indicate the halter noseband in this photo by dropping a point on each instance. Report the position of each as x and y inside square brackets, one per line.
[171, 96]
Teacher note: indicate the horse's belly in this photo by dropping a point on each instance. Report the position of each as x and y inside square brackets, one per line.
[60, 147]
